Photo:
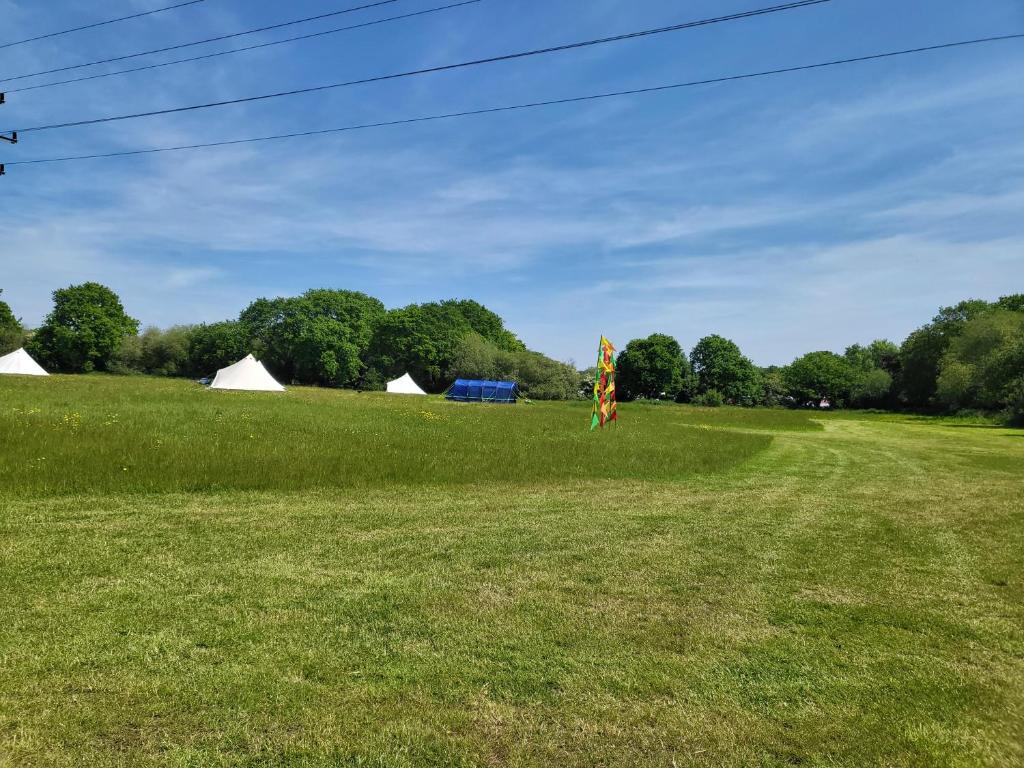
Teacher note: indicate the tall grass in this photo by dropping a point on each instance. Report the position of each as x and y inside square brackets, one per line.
[100, 434]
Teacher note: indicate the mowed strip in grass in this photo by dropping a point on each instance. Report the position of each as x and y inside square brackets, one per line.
[94, 434]
[848, 596]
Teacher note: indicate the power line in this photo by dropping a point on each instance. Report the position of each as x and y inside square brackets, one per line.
[246, 48]
[427, 70]
[202, 42]
[100, 23]
[532, 105]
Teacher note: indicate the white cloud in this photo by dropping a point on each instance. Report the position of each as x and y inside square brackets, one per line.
[786, 224]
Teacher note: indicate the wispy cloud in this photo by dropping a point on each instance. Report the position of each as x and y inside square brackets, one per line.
[786, 214]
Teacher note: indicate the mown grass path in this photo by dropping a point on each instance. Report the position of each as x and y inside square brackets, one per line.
[850, 596]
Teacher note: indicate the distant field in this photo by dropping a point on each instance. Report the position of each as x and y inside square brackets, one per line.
[194, 578]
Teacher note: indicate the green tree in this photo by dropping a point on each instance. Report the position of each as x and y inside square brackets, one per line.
[214, 346]
[921, 354]
[538, 376]
[1015, 399]
[983, 363]
[585, 386]
[872, 372]
[819, 375]
[773, 387]
[719, 365]
[870, 389]
[12, 335]
[486, 324]
[319, 337]
[1014, 302]
[474, 357]
[85, 328]
[881, 353]
[155, 352]
[421, 339]
[653, 367]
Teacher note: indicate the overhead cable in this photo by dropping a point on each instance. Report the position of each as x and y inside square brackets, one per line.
[423, 71]
[100, 24]
[534, 104]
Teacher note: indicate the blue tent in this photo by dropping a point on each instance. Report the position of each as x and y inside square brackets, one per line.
[473, 391]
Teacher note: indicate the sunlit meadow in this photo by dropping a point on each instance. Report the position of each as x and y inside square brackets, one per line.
[325, 578]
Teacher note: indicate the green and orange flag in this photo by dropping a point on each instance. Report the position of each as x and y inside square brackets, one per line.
[605, 406]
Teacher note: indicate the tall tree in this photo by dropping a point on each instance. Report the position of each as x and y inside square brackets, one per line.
[922, 351]
[720, 367]
[880, 353]
[1014, 302]
[486, 323]
[654, 367]
[819, 375]
[316, 338]
[985, 363]
[85, 328]
[216, 345]
[421, 339]
[872, 370]
[12, 334]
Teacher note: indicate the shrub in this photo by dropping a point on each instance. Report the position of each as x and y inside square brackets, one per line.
[710, 399]
[1015, 402]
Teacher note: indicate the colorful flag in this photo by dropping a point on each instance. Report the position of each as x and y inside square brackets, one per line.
[605, 405]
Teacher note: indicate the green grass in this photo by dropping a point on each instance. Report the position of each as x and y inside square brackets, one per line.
[105, 434]
[701, 587]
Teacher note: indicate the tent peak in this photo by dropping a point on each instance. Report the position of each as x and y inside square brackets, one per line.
[404, 385]
[247, 374]
[20, 363]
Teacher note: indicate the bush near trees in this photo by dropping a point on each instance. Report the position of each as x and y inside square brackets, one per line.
[12, 335]
[539, 377]
[710, 399]
[84, 330]
[155, 352]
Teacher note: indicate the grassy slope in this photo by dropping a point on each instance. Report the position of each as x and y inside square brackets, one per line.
[105, 434]
[851, 596]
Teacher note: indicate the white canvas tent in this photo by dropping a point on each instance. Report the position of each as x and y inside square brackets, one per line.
[404, 386]
[21, 363]
[249, 374]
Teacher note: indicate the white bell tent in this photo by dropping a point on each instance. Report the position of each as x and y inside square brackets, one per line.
[404, 386]
[248, 374]
[20, 363]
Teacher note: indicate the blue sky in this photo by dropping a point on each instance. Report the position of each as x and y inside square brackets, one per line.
[803, 212]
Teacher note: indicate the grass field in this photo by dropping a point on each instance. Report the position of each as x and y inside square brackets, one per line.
[321, 578]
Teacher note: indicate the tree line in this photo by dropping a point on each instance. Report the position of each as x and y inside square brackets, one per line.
[969, 357]
[325, 337]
